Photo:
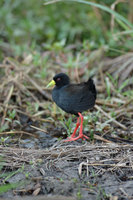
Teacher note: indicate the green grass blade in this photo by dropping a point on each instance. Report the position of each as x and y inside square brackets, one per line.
[102, 7]
[6, 187]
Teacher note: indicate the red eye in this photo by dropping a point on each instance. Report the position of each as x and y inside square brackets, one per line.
[58, 79]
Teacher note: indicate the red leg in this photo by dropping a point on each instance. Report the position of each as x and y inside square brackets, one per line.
[77, 125]
[81, 135]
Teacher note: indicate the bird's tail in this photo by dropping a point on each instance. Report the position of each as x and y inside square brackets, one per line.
[92, 87]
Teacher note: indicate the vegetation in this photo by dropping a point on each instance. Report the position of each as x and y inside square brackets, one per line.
[29, 26]
[82, 38]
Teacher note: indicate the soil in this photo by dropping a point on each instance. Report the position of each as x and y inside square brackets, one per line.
[52, 169]
[35, 162]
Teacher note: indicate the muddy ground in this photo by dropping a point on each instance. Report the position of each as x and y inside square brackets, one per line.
[45, 165]
[35, 160]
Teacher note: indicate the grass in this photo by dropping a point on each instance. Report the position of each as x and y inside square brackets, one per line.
[32, 85]
[5, 186]
[79, 195]
[34, 47]
[102, 194]
[27, 32]
[123, 21]
[67, 124]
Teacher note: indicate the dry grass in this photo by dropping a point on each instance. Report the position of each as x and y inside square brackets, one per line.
[18, 82]
[103, 156]
[110, 149]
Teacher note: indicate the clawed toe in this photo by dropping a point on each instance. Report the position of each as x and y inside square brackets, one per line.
[76, 138]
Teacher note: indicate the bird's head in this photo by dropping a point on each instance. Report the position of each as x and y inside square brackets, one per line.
[59, 80]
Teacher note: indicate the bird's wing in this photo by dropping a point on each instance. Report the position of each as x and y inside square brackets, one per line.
[78, 97]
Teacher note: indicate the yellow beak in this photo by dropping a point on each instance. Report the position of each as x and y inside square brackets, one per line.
[52, 83]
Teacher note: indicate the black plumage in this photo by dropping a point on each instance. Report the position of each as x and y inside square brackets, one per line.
[73, 98]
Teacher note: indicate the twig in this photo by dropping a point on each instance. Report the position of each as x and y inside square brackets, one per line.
[101, 102]
[6, 104]
[17, 132]
[46, 95]
[101, 138]
[113, 17]
[112, 119]
[39, 129]
[101, 164]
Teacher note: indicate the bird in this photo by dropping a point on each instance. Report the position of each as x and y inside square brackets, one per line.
[73, 99]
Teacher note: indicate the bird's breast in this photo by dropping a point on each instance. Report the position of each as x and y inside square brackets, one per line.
[61, 99]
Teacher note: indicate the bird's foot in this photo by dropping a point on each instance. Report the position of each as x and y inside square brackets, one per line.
[76, 138]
